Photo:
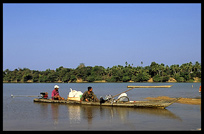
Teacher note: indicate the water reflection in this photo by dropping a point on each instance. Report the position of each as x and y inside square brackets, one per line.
[164, 113]
[55, 113]
[76, 113]
[44, 111]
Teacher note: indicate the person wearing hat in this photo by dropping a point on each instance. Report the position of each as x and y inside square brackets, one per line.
[55, 94]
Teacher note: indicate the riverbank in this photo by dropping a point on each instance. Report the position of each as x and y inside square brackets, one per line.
[191, 101]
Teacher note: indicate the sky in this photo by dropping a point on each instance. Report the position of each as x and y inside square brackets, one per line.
[47, 36]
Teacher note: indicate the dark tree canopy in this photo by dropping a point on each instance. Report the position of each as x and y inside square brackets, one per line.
[158, 72]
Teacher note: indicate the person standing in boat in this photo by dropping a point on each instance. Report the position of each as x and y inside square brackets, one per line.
[89, 96]
[55, 94]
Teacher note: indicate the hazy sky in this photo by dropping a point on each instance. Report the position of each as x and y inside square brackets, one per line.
[42, 36]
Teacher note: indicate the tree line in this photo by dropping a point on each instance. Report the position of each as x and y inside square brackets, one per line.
[158, 72]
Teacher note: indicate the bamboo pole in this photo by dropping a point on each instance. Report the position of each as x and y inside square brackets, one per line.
[122, 92]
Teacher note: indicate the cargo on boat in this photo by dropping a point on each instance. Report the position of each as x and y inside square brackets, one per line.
[164, 86]
[134, 104]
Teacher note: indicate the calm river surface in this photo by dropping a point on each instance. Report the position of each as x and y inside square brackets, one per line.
[21, 113]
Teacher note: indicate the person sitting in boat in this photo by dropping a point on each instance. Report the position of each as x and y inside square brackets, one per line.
[55, 94]
[89, 96]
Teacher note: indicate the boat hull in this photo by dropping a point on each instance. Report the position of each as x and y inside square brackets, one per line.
[134, 104]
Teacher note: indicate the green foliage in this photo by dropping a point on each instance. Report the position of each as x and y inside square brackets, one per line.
[141, 77]
[27, 77]
[158, 78]
[90, 78]
[113, 79]
[178, 78]
[165, 78]
[159, 72]
[126, 78]
[73, 78]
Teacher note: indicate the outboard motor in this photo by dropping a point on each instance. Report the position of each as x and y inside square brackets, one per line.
[108, 97]
[102, 100]
[44, 95]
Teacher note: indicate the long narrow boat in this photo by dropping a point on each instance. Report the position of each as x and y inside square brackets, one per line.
[164, 86]
[135, 104]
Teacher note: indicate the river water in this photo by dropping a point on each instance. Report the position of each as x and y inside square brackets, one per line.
[21, 113]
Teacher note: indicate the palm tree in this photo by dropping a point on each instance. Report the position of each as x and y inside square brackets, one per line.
[197, 67]
[154, 67]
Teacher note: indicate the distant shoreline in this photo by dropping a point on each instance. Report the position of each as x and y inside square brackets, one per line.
[102, 82]
[187, 72]
[171, 80]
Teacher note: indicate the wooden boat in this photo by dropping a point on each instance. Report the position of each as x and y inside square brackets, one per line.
[135, 104]
[164, 86]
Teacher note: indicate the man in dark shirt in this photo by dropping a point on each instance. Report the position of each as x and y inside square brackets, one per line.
[89, 96]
